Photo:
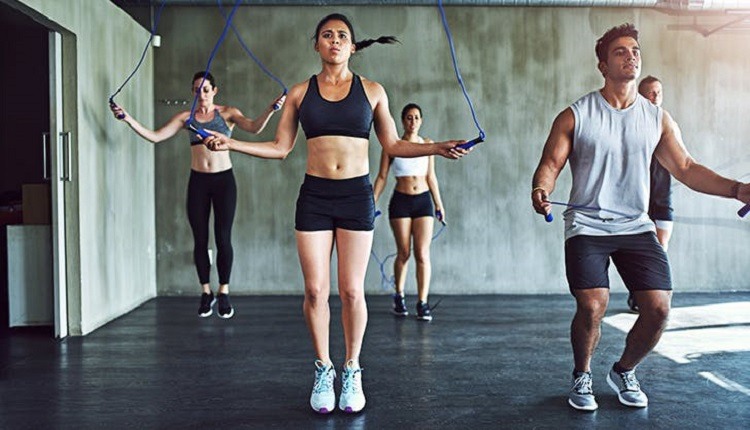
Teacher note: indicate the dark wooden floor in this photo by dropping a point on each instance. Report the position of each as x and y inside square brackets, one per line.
[490, 362]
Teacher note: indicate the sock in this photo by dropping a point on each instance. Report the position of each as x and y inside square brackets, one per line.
[619, 369]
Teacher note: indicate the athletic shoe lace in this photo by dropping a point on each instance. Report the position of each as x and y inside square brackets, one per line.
[350, 383]
[582, 384]
[630, 382]
[323, 382]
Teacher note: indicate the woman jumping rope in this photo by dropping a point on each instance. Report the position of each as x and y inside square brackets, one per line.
[410, 212]
[336, 109]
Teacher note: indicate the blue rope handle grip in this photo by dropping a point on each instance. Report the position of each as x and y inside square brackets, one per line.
[472, 142]
[113, 105]
[744, 211]
[190, 125]
[439, 216]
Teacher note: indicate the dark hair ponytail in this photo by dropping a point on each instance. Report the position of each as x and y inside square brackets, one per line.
[362, 44]
[358, 45]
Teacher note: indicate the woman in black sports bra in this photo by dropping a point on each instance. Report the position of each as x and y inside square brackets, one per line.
[211, 183]
[335, 206]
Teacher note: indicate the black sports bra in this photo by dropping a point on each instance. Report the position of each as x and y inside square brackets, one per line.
[351, 116]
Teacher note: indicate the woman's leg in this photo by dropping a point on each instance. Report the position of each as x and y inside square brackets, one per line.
[225, 205]
[402, 233]
[199, 210]
[314, 249]
[353, 251]
[422, 228]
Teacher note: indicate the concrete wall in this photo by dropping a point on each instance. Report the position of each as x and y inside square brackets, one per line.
[522, 66]
[110, 204]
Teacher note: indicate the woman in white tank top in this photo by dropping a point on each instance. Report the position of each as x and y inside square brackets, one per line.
[410, 212]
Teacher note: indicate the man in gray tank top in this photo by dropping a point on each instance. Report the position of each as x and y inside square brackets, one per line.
[609, 137]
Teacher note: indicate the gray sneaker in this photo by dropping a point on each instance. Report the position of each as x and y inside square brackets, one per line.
[627, 388]
[581, 395]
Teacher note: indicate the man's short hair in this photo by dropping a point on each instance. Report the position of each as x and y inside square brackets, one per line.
[647, 81]
[624, 30]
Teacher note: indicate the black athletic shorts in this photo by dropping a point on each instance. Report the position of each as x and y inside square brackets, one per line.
[410, 205]
[328, 204]
[639, 258]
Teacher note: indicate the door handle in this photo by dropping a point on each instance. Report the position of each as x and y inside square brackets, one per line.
[45, 143]
[66, 158]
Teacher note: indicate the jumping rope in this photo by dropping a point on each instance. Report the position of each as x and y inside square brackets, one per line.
[250, 53]
[143, 55]
[550, 218]
[190, 123]
[481, 137]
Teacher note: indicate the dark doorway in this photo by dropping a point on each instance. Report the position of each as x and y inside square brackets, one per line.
[24, 117]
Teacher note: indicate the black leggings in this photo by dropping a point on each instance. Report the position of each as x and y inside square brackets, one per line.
[204, 190]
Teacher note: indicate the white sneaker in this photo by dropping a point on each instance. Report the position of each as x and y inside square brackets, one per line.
[628, 388]
[352, 397]
[323, 399]
[581, 395]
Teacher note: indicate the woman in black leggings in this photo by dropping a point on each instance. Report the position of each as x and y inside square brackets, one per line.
[211, 182]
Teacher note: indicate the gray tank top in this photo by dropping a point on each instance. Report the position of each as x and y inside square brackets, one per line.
[610, 161]
[216, 124]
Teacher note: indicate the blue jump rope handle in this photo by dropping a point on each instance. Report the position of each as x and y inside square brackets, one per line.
[277, 105]
[114, 105]
[471, 143]
[197, 130]
[549, 217]
[745, 209]
[439, 216]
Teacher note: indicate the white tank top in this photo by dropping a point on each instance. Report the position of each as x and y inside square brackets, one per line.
[410, 166]
[610, 162]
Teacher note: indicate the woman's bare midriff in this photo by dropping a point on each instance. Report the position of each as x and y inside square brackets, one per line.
[337, 157]
[411, 185]
[207, 161]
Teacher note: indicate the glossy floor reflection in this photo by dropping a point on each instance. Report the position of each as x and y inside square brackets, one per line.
[491, 362]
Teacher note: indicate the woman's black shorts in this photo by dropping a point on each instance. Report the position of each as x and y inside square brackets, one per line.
[410, 205]
[328, 204]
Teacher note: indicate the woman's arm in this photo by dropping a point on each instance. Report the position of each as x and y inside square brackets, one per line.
[432, 183]
[280, 147]
[382, 178]
[385, 129]
[256, 125]
[174, 125]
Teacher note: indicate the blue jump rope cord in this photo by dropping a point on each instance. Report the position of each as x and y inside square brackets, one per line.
[591, 208]
[250, 53]
[455, 67]
[145, 49]
[213, 54]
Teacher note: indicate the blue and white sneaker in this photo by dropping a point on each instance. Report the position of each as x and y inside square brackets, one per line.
[352, 398]
[581, 395]
[627, 388]
[323, 399]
